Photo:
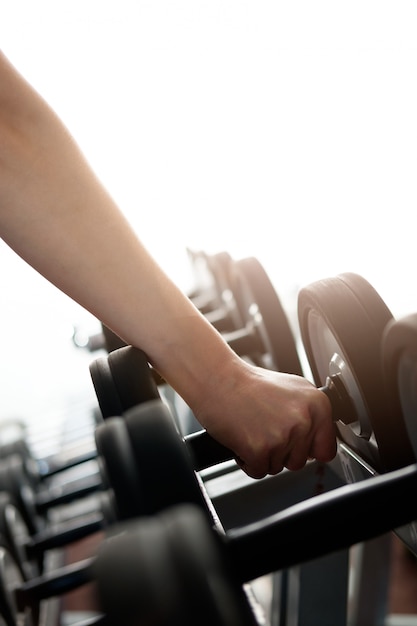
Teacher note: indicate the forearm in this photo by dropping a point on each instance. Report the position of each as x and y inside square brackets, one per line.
[57, 216]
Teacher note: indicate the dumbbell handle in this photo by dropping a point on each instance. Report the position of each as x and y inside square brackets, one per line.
[304, 531]
[60, 581]
[62, 534]
[207, 452]
[65, 494]
[331, 521]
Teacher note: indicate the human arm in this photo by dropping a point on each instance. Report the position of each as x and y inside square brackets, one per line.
[57, 215]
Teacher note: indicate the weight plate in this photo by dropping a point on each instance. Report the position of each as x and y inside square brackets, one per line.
[121, 380]
[212, 594]
[399, 354]
[10, 578]
[260, 306]
[15, 532]
[221, 267]
[13, 479]
[118, 463]
[205, 294]
[136, 580]
[163, 463]
[106, 392]
[342, 320]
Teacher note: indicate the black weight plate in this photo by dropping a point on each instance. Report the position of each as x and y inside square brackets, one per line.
[10, 578]
[260, 304]
[13, 479]
[115, 450]
[15, 532]
[213, 595]
[342, 320]
[106, 392]
[135, 578]
[163, 463]
[399, 354]
[121, 380]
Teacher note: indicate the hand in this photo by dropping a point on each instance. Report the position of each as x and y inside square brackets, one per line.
[270, 420]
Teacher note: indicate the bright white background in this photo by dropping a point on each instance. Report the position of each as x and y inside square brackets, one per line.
[285, 130]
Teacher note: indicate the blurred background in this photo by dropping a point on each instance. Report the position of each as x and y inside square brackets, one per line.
[284, 130]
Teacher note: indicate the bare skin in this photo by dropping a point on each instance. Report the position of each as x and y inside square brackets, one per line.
[57, 215]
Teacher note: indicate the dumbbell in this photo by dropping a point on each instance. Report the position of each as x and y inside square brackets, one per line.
[399, 350]
[370, 311]
[35, 509]
[29, 549]
[150, 466]
[361, 392]
[135, 571]
[366, 497]
[123, 379]
[207, 293]
[10, 577]
[295, 535]
[256, 324]
[111, 388]
[342, 323]
[42, 469]
[399, 355]
[42, 478]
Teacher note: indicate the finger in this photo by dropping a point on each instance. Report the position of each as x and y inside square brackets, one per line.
[254, 470]
[324, 444]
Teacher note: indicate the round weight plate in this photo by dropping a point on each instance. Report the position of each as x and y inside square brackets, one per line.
[211, 593]
[342, 321]
[221, 266]
[106, 392]
[10, 578]
[205, 295]
[260, 305]
[15, 532]
[13, 479]
[119, 467]
[399, 354]
[136, 580]
[21, 447]
[121, 380]
[163, 463]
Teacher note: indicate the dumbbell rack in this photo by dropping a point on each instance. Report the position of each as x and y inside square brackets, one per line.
[316, 592]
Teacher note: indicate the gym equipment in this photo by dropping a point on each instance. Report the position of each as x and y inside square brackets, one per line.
[150, 466]
[215, 296]
[19, 468]
[372, 346]
[29, 549]
[10, 577]
[14, 439]
[122, 379]
[34, 509]
[248, 312]
[399, 357]
[132, 574]
[302, 532]
[266, 336]
[400, 481]
[342, 322]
